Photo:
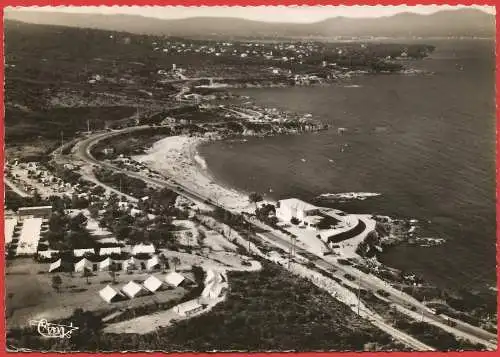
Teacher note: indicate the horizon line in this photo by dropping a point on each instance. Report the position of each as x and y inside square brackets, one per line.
[143, 11]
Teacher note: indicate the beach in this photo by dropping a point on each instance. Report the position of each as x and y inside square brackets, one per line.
[177, 158]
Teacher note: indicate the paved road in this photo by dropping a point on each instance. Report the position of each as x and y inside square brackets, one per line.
[366, 281]
[396, 297]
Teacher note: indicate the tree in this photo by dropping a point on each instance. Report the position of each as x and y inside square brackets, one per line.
[56, 282]
[94, 211]
[78, 222]
[175, 262]
[112, 274]
[189, 236]
[163, 261]
[294, 221]
[86, 274]
[255, 197]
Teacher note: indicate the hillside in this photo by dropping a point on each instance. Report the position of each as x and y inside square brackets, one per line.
[450, 23]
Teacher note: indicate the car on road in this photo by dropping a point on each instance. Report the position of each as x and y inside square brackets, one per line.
[383, 293]
[344, 262]
[349, 277]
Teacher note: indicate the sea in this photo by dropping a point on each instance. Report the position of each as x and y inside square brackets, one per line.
[425, 143]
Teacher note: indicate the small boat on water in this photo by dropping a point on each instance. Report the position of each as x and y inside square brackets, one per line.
[303, 160]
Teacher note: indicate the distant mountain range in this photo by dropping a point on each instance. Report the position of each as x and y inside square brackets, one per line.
[449, 23]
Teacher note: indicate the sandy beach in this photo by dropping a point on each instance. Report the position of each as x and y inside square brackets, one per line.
[177, 158]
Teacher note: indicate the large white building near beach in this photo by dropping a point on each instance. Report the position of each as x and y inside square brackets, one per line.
[293, 207]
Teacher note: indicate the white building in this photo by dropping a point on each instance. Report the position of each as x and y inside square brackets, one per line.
[110, 250]
[188, 308]
[29, 237]
[143, 248]
[47, 253]
[293, 207]
[82, 252]
[10, 224]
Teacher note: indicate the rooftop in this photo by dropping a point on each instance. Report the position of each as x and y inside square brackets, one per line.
[298, 204]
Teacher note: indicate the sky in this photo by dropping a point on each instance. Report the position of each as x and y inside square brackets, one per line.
[260, 13]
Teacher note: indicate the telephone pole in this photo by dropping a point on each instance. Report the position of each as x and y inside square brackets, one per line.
[62, 140]
[359, 293]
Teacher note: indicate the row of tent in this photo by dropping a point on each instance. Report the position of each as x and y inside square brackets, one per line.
[132, 289]
[127, 264]
[104, 251]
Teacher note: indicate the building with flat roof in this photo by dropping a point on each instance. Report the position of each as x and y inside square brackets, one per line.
[188, 308]
[293, 207]
[10, 224]
[29, 237]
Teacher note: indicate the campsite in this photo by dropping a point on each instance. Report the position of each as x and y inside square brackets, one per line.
[35, 296]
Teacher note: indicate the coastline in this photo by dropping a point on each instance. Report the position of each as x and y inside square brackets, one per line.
[178, 158]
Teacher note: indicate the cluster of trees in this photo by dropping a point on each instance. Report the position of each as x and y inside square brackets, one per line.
[121, 181]
[131, 143]
[67, 233]
[267, 214]
[140, 228]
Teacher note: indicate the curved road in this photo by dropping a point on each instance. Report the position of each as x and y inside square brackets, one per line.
[367, 281]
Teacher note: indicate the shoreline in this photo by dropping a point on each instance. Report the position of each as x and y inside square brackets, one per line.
[178, 158]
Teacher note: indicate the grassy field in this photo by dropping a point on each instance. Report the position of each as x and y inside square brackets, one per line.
[30, 295]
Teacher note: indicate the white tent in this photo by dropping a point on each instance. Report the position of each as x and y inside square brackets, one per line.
[152, 283]
[110, 250]
[56, 265]
[132, 289]
[129, 264]
[105, 264]
[143, 248]
[47, 253]
[174, 278]
[152, 263]
[83, 264]
[81, 252]
[108, 293]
